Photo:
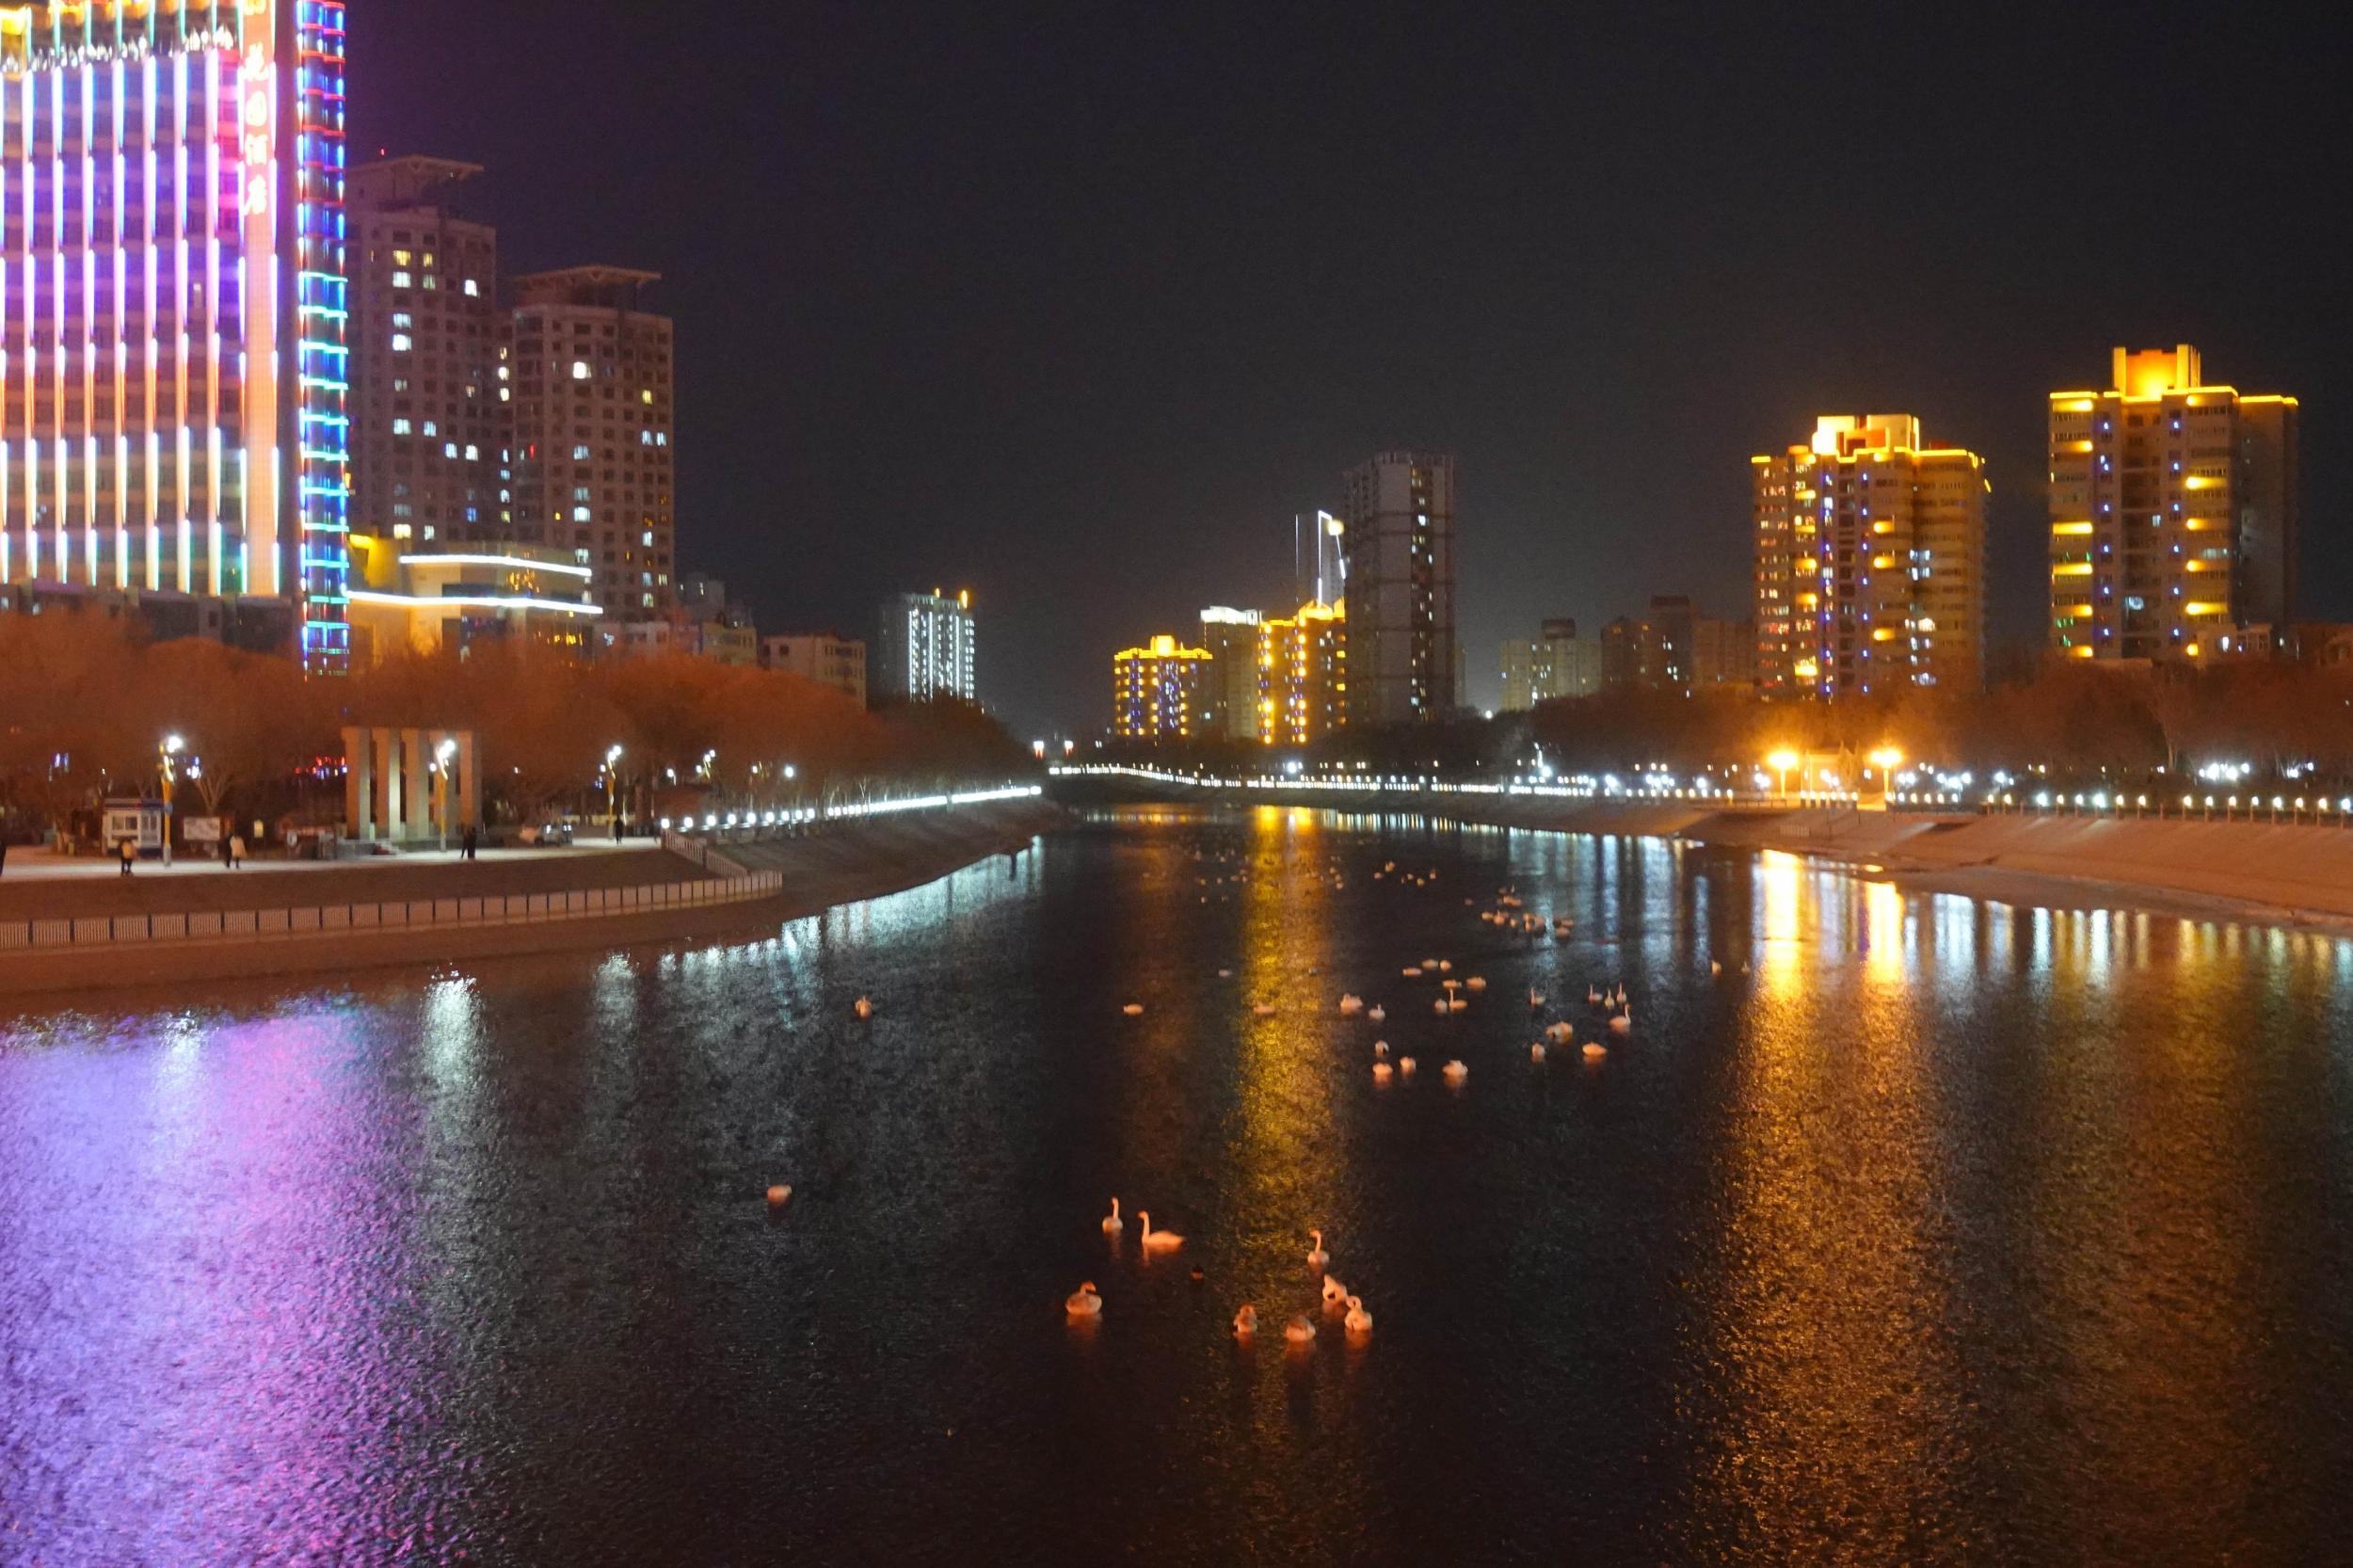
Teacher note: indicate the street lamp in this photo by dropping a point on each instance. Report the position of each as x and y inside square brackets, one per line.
[165, 763]
[1780, 763]
[613, 790]
[442, 754]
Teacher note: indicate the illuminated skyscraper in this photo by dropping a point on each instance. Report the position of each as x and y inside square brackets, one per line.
[2173, 511]
[430, 409]
[1303, 674]
[173, 291]
[1870, 561]
[926, 649]
[1158, 690]
[592, 457]
[1399, 538]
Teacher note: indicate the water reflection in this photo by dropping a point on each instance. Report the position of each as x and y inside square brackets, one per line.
[1926, 1231]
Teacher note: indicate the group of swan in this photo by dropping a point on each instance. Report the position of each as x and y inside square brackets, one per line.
[1301, 1330]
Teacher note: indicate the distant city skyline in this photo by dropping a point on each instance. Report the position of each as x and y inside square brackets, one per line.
[979, 358]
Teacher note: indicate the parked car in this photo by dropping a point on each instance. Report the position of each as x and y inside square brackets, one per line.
[545, 833]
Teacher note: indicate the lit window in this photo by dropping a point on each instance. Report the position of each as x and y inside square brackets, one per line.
[400, 279]
[473, 290]
[474, 454]
[431, 428]
[646, 396]
[580, 369]
[400, 343]
[579, 514]
[402, 318]
[450, 449]
[401, 531]
[580, 455]
[401, 427]
[401, 258]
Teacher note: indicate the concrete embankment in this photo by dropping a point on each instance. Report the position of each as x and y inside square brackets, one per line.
[2237, 870]
[847, 862]
[2252, 870]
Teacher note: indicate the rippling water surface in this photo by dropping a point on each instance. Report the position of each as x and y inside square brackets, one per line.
[1928, 1231]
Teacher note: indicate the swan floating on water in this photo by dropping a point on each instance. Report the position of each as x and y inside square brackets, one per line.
[1112, 1223]
[1316, 1256]
[863, 1007]
[1380, 1047]
[1299, 1330]
[779, 1195]
[1596, 1052]
[1476, 983]
[1359, 1320]
[1381, 1072]
[1455, 1072]
[1158, 1241]
[1536, 1051]
[1622, 1022]
[1083, 1302]
[1264, 1010]
[1133, 1010]
[1245, 1321]
[1405, 1065]
[1378, 1014]
[1335, 1293]
[1352, 1005]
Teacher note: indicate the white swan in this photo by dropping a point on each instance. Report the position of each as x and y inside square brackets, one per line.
[1377, 1014]
[1535, 1000]
[1316, 1256]
[1112, 1223]
[1476, 983]
[1560, 1034]
[1455, 1072]
[1440, 1007]
[1622, 1022]
[1536, 1051]
[1359, 1320]
[1263, 1010]
[1083, 1302]
[1299, 1332]
[1334, 1291]
[1133, 1010]
[1596, 1052]
[1245, 1321]
[1592, 996]
[1381, 1072]
[1158, 1241]
[1411, 973]
[1380, 1047]
[863, 1007]
[1405, 1065]
[1352, 1005]
[779, 1195]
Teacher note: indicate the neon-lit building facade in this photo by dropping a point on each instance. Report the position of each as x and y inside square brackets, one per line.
[173, 292]
[2174, 512]
[1158, 690]
[926, 649]
[1303, 674]
[1870, 562]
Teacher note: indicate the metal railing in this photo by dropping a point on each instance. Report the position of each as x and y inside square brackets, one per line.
[336, 920]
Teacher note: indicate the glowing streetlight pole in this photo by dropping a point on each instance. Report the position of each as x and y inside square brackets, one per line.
[442, 754]
[1780, 763]
[169, 749]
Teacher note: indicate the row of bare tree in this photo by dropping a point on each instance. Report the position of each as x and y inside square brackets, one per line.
[85, 709]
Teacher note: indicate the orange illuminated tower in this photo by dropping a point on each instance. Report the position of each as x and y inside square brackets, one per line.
[1870, 561]
[2173, 511]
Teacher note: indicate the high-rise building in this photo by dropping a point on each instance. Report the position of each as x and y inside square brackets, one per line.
[1399, 538]
[926, 648]
[1672, 648]
[1157, 691]
[592, 443]
[1870, 561]
[831, 658]
[431, 416]
[2173, 511]
[1231, 689]
[1559, 664]
[172, 304]
[1303, 674]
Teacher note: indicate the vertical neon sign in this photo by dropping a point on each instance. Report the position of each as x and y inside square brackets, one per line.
[323, 428]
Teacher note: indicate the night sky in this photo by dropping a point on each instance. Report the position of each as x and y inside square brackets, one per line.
[1077, 306]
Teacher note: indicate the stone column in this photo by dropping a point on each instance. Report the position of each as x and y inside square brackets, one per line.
[387, 747]
[469, 797]
[359, 783]
[416, 807]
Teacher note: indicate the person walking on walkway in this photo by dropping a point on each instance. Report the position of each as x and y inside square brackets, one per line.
[4, 856]
[129, 850]
[466, 842]
[236, 850]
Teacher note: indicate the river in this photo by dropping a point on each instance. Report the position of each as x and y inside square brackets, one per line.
[1924, 1231]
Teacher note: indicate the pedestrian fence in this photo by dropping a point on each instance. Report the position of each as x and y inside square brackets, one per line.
[427, 914]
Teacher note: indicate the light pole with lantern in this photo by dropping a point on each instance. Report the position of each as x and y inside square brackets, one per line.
[167, 764]
[441, 755]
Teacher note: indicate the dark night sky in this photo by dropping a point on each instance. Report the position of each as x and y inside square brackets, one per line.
[1077, 304]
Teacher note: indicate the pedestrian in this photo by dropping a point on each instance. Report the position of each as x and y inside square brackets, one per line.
[129, 850]
[466, 842]
[4, 856]
[236, 850]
